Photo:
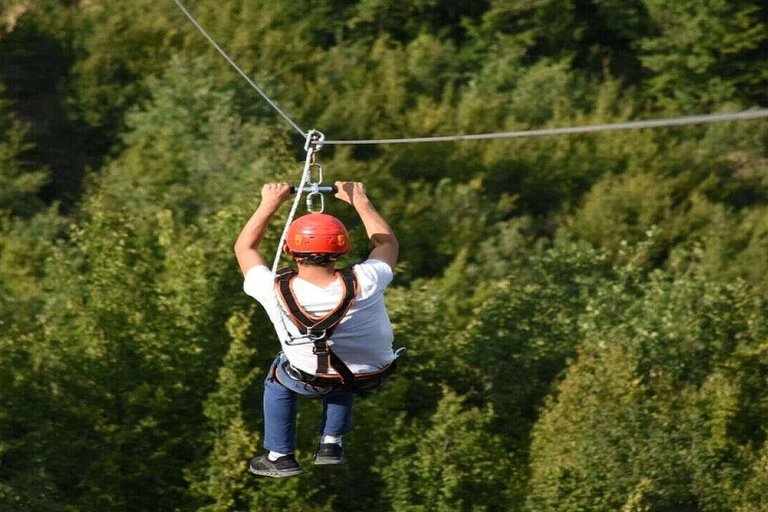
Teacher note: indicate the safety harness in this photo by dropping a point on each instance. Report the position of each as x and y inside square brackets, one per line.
[319, 331]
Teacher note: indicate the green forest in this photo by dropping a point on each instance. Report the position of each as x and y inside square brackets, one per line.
[585, 316]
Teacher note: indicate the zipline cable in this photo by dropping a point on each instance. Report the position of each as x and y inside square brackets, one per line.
[631, 125]
[650, 123]
[237, 68]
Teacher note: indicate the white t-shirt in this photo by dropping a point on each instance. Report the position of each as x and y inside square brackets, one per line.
[363, 338]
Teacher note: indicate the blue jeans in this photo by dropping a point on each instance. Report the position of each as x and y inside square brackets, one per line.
[280, 391]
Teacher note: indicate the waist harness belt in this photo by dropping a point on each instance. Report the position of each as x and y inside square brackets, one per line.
[320, 329]
[364, 384]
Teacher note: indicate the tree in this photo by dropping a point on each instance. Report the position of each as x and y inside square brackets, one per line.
[706, 51]
[657, 409]
[453, 462]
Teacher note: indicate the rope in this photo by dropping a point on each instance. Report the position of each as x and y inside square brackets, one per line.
[651, 123]
[294, 207]
[299, 190]
[237, 68]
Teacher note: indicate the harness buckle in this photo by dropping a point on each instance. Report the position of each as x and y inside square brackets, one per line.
[316, 337]
[320, 351]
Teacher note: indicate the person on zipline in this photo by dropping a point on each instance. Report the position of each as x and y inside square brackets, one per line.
[333, 326]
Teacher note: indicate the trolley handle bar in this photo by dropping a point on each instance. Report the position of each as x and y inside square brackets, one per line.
[323, 189]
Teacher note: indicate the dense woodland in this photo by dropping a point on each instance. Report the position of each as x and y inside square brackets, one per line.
[586, 317]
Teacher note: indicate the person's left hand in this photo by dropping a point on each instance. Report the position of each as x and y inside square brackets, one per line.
[275, 193]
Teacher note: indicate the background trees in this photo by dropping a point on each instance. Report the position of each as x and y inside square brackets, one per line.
[584, 316]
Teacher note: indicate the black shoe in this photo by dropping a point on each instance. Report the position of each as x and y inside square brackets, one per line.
[330, 454]
[282, 467]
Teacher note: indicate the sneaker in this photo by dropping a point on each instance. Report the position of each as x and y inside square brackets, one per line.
[282, 467]
[330, 454]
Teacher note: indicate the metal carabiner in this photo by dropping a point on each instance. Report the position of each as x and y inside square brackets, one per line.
[319, 173]
[294, 341]
[316, 335]
[311, 202]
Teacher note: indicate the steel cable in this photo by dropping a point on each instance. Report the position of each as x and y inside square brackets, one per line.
[631, 125]
[237, 68]
[650, 123]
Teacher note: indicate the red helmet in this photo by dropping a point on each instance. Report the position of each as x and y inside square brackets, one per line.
[317, 233]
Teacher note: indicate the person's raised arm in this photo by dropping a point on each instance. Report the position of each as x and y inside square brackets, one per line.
[252, 234]
[383, 238]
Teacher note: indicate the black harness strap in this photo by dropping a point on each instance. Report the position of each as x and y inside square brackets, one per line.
[320, 329]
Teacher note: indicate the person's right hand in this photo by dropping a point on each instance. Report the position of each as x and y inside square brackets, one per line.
[350, 191]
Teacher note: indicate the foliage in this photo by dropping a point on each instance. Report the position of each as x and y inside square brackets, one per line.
[19, 185]
[452, 463]
[585, 316]
[706, 50]
[658, 410]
